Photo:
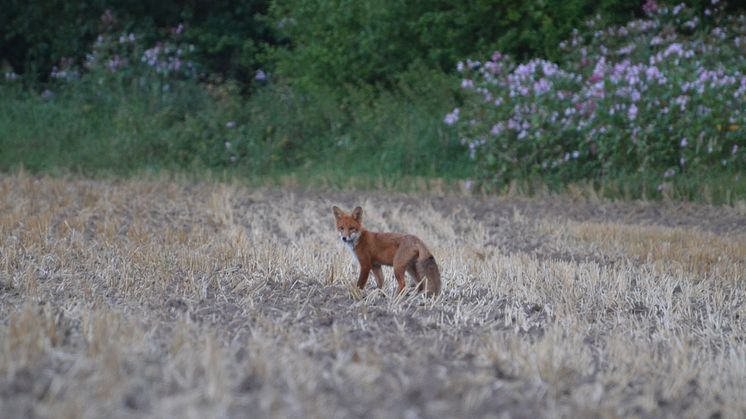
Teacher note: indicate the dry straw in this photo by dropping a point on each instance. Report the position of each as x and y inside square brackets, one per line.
[163, 299]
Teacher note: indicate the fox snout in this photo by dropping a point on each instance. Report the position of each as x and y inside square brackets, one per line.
[349, 238]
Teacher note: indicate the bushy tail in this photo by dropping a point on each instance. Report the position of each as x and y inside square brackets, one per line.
[431, 282]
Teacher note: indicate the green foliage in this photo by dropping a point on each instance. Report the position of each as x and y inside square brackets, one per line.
[37, 35]
[343, 42]
[313, 42]
[365, 131]
[122, 126]
[78, 129]
[229, 38]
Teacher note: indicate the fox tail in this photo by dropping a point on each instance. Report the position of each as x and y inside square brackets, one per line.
[431, 283]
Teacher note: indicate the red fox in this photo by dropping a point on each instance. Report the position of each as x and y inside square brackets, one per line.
[405, 252]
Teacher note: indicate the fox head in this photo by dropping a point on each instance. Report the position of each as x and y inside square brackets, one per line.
[349, 226]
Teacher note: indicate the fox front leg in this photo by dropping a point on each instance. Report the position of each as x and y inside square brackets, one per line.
[363, 279]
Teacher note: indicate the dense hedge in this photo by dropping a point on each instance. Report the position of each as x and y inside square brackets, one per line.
[330, 42]
[343, 41]
[230, 36]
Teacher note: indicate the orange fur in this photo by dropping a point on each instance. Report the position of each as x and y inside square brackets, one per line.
[405, 252]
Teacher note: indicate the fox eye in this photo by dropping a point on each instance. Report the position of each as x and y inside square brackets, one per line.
[353, 229]
[340, 228]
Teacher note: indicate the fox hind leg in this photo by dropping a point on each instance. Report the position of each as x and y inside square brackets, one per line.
[415, 274]
[403, 258]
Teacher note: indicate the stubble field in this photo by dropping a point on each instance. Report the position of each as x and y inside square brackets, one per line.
[156, 298]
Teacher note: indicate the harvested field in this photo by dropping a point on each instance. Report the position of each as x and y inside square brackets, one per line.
[164, 299]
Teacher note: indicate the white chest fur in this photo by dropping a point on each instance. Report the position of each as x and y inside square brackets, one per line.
[351, 247]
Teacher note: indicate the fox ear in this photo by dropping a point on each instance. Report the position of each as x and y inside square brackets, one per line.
[338, 213]
[357, 214]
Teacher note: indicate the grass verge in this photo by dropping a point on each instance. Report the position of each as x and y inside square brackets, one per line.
[280, 138]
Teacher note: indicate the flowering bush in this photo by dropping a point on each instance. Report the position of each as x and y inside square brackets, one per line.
[123, 56]
[664, 94]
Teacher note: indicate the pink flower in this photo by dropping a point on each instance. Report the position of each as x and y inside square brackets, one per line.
[674, 48]
[632, 113]
[549, 69]
[492, 67]
[682, 101]
[650, 7]
[452, 117]
[542, 86]
[467, 83]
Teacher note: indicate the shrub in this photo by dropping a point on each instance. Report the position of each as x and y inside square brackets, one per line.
[123, 57]
[661, 94]
[229, 38]
[340, 42]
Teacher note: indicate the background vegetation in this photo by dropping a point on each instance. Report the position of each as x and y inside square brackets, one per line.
[338, 89]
